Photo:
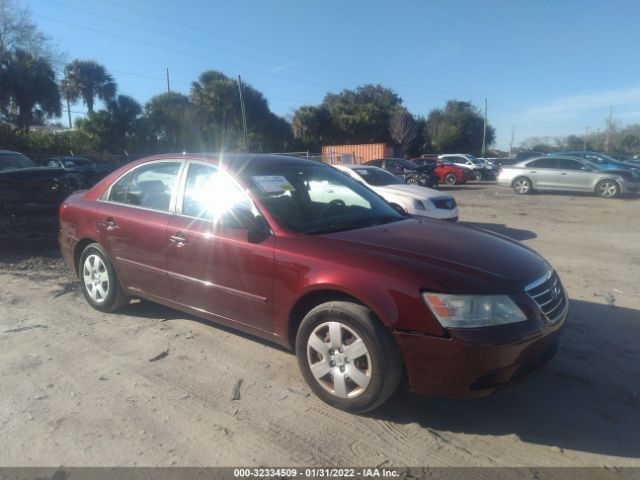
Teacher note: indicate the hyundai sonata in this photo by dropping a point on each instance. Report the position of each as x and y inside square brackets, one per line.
[364, 295]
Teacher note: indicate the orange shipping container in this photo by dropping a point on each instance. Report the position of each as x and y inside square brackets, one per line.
[337, 154]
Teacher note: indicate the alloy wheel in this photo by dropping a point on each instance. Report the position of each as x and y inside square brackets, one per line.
[450, 178]
[339, 359]
[96, 278]
[607, 189]
[521, 185]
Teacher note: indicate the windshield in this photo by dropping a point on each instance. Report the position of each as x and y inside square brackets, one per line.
[408, 164]
[376, 176]
[14, 161]
[473, 159]
[591, 164]
[317, 199]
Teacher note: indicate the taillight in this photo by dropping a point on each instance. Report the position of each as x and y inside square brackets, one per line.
[63, 207]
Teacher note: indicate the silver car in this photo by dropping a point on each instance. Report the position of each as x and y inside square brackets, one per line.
[570, 174]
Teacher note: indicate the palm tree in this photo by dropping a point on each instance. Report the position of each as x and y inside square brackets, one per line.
[87, 80]
[29, 83]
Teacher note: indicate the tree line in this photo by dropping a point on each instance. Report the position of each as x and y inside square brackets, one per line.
[209, 118]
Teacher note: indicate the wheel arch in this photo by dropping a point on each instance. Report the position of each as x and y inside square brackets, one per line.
[312, 299]
[79, 248]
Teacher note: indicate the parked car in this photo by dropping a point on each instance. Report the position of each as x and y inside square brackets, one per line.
[569, 174]
[365, 295]
[408, 171]
[482, 170]
[30, 196]
[602, 160]
[85, 171]
[447, 172]
[415, 200]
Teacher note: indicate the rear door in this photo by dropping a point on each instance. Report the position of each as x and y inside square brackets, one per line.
[132, 225]
[543, 173]
[394, 167]
[212, 264]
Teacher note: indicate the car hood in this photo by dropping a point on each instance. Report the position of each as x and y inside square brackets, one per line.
[462, 258]
[409, 191]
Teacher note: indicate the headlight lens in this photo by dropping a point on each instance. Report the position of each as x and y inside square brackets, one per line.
[419, 205]
[473, 311]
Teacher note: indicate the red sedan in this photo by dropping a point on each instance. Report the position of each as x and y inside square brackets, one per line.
[447, 172]
[364, 294]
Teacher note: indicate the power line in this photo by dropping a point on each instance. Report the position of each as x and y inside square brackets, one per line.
[262, 47]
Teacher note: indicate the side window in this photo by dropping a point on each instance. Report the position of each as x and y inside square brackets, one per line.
[375, 163]
[212, 195]
[119, 189]
[593, 158]
[567, 164]
[392, 165]
[151, 186]
[543, 163]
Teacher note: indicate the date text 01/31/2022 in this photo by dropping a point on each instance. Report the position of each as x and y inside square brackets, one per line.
[315, 472]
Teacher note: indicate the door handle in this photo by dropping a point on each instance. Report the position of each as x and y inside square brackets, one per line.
[330, 191]
[533, 172]
[110, 224]
[563, 173]
[179, 239]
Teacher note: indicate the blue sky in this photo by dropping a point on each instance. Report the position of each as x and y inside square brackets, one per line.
[547, 68]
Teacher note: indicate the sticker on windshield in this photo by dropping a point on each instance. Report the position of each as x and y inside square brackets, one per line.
[272, 184]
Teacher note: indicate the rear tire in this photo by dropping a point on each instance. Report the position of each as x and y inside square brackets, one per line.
[99, 281]
[450, 179]
[522, 186]
[347, 358]
[607, 189]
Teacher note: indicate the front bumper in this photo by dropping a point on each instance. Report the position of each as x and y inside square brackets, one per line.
[455, 367]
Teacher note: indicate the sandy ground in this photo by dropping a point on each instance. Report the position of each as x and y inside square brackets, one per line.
[78, 387]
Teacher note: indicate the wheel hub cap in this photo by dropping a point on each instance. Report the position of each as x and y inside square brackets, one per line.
[339, 359]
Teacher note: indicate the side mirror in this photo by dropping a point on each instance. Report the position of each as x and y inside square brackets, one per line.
[258, 230]
[398, 208]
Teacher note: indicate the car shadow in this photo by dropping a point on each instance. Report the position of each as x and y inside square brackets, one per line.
[560, 193]
[586, 399]
[145, 309]
[500, 228]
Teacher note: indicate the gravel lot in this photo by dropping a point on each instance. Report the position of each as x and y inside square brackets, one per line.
[78, 387]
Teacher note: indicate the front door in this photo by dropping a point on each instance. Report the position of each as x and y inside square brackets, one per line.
[132, 226]
[212, 264]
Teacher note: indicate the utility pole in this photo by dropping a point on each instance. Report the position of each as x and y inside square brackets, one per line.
[609, 127]
[69, 114]
[484, 129]
[244, 116]
[511, 142]
[168, 82]
[586, 138]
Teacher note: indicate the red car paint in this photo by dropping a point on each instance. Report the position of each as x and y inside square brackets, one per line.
[442, 169]
[266, 287]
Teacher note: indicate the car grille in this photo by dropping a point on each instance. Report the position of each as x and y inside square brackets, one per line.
[549, 295]
[444, 203]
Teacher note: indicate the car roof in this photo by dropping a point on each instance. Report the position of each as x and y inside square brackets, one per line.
[237, 162]
[10, 152]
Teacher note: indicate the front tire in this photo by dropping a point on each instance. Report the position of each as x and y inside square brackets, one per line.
[607, 189]
[413, 181]
[99, 281]
[522, 186]
[347, 358]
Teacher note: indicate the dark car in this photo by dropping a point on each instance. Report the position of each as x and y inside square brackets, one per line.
[365, 295]
[408, 171]
[83, 170]
[447, 172]
[30, 196]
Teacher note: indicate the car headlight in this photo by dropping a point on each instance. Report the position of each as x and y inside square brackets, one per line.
[419, 205]
[473, 311]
